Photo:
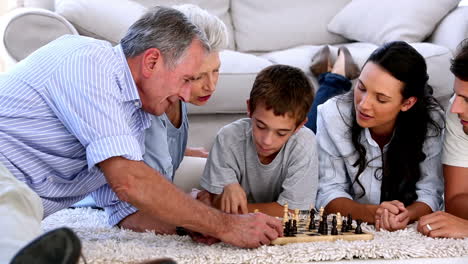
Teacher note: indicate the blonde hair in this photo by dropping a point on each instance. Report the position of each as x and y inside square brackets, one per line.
[214, 29]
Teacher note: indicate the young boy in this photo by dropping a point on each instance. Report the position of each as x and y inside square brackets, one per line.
[269, 159]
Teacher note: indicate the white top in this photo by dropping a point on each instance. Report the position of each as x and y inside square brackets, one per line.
[455, 151]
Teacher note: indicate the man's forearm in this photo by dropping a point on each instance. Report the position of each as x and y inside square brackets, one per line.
[152, 194]
[458, 205]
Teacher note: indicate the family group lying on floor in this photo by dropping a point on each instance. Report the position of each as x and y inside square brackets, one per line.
[80, 117]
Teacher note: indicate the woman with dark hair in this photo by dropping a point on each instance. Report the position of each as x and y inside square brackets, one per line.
[380, 144]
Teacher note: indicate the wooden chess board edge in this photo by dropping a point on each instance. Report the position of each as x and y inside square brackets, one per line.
[328, 238]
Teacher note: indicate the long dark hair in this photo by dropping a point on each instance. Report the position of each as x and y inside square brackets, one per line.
[400, 166]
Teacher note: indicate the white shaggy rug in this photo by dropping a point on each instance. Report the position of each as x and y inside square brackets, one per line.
[105, 244]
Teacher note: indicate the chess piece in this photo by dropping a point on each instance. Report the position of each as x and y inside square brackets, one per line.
[312, 225]
[344, 228]
[358, 227]
[349, 222]
[287, 229]
[286, 213]
[296, 215]
[294, 227]
[334, 230]
[256, 211]
[321, 212]
[339, 220]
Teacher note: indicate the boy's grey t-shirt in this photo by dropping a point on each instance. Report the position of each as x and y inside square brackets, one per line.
[292, 177]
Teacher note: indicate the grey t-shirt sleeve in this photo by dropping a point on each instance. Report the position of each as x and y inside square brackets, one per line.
[301, 182]
[221, 168]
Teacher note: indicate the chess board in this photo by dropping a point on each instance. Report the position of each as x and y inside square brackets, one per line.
[304, 235]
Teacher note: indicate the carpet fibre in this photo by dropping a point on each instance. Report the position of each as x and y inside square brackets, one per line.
[105, 244]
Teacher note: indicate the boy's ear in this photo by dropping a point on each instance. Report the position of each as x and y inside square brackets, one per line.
[248, 108]
[301, 125]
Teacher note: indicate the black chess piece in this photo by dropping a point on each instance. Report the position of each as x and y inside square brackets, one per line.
[320, 228]
[334, 230]
[325, 227]
[358, 227]
[287, 229]
[312, 225]
[294, 227]
[349, 222]
[343, 227]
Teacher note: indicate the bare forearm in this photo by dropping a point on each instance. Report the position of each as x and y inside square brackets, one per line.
[418, 209]
[152, 194]
[458, 205]
[273, 209]
[345, 206]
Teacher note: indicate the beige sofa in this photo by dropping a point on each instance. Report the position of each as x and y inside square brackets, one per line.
[261, 33]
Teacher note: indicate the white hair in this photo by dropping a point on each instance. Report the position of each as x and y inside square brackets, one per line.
[214, 29]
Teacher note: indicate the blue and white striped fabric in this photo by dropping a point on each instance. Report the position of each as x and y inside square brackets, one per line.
[165, 148]
[65, 108]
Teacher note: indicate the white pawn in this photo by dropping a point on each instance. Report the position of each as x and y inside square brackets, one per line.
[286, 213]
[321, 212]
[339, 220]
[296, 215]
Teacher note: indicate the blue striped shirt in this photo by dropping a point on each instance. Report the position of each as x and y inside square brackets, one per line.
[165, 148]
[64, 109]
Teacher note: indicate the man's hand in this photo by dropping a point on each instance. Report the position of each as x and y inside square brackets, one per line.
[252, 230]
[442, 224]
[140, 222]
[196, 152]
[391, 216]
[233, 199]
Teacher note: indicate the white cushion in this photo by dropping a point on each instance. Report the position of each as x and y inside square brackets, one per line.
[219, 8]
[237, 74]
[103, 19]
[386, 20]
[278, 24]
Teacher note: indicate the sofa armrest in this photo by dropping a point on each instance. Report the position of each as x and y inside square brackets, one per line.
[24, 30]
[452, 29]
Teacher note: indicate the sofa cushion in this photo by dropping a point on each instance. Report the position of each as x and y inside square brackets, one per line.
[95, 18]
[219, 8]
[111, 25]
[275, 25]
[237, 74]
[386, 20]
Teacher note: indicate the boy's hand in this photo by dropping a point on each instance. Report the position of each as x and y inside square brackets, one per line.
[205, 197]
[233, 199]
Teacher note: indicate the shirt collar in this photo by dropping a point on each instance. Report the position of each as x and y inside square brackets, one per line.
[129, 91]
[372, 142]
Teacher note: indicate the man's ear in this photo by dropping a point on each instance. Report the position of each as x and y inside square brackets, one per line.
[408, 103]
[249, 114]
[150, 61]
[301, 125]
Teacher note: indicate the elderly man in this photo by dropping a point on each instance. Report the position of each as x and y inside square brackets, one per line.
[72, 118]
[454, 222]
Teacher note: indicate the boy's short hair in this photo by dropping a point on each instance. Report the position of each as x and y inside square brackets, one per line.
[283, 88]
[459, 65]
